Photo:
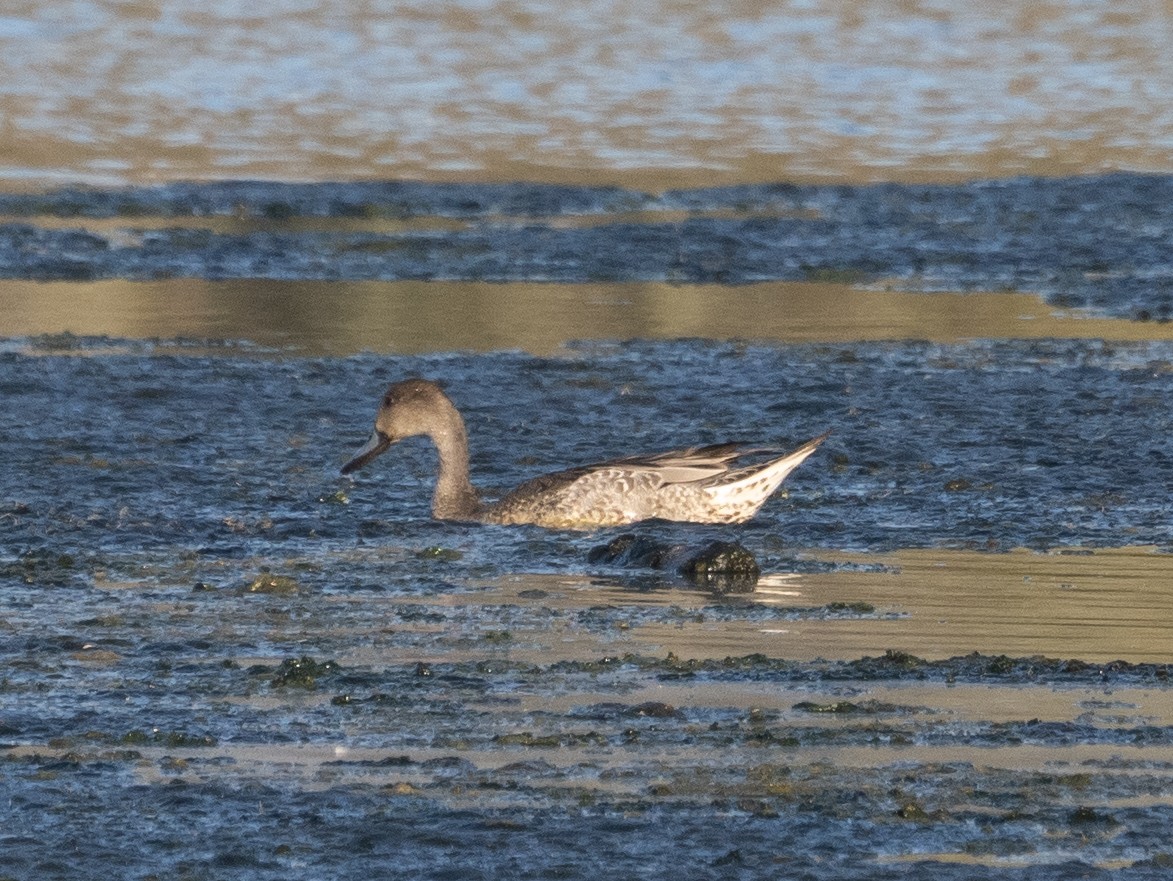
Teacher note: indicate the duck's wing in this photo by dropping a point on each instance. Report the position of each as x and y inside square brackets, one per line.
[671, 466]
[718, 463]
[687, 465]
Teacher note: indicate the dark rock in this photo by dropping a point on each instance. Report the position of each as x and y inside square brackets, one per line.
[721, 566]
[630, 549]
[723, 563]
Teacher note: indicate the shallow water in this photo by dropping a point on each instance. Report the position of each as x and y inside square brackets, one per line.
[228, 661]
[171, 447]
[467, 725]
[219, 659]
[409, 318]
[1094, 243]
[176, 531]
[660, 95]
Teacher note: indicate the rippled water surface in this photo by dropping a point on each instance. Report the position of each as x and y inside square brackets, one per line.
[653, 94]
[222, 659]
[270, 669]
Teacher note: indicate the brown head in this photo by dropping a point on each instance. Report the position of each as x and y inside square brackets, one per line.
[410, 407]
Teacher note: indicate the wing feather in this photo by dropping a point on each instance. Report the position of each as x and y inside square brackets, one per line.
[687, 465]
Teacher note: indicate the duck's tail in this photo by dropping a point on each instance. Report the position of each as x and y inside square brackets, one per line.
[746, 490]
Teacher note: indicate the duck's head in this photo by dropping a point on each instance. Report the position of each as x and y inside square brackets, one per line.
[410, 407]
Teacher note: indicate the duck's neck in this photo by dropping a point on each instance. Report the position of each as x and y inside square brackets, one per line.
[455, 498]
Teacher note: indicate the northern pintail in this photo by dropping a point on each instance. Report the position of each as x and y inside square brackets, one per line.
[698, 484]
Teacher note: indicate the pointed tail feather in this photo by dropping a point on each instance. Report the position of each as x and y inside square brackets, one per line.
[749, 488]
[780, 468]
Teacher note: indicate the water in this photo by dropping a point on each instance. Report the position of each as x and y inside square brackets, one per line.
[1094, 243]
[956, 658]
[169, 445]
[656, 95]
[177, 536]
[223, 660]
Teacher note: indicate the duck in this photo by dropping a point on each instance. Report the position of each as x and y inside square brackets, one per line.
[701, 484]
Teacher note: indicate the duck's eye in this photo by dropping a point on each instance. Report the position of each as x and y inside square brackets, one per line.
[388, 399]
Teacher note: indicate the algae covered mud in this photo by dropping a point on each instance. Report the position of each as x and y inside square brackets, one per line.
[221, 659]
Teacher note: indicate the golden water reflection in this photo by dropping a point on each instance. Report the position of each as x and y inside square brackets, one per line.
[1106, 605]
[1097, 607]
[413, 317]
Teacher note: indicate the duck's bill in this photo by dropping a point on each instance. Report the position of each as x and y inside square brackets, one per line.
[378, 443]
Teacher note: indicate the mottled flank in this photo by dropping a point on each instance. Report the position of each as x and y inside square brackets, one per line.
[709, 484]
